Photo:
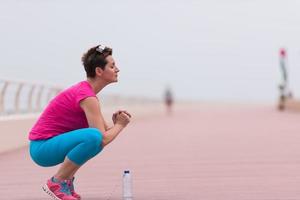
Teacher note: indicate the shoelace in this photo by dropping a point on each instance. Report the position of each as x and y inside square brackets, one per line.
[71, 185]
[65, 188]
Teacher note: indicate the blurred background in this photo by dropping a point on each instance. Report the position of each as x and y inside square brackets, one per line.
[220, 69]
[204, 50]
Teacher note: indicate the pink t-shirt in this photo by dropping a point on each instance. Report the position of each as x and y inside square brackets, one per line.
[63, 114]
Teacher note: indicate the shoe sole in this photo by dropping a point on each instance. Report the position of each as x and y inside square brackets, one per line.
[50, 193]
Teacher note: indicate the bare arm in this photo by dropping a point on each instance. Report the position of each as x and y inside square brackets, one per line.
[95, 119]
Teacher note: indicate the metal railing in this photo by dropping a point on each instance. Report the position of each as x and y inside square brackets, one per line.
[23, 97]
[18, 96]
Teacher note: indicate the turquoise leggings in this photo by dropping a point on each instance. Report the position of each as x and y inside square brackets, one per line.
[79, 146]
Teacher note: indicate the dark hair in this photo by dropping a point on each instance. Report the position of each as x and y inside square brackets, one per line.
[95, 57]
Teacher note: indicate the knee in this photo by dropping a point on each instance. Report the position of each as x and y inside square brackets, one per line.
[94, 136]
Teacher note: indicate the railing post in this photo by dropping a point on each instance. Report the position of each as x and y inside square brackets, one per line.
[38, 99]
[2, 94]
[17, 97]
[49, 94]
[30, 94]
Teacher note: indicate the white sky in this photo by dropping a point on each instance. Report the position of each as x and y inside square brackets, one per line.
[203, 49]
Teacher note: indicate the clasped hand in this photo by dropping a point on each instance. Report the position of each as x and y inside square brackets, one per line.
[121, 117]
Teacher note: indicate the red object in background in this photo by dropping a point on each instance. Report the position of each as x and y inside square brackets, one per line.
[282, 52]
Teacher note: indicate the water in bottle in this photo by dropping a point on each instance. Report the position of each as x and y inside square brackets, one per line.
[127, 186]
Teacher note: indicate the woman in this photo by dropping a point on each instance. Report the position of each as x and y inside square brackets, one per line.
[71, 130]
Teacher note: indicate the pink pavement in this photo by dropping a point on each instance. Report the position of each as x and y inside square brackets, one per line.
[209, 152]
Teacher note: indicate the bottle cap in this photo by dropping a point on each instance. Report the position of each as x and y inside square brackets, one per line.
[126, 172]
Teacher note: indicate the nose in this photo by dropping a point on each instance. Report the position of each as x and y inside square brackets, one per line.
[117, 69]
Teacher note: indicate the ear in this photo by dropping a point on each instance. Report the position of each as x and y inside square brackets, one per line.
[99, 71]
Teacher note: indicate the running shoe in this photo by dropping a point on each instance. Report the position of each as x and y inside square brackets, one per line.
[58, 190]
[74, 194]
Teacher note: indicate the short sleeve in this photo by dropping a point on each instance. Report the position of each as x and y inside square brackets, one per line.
[84, 92]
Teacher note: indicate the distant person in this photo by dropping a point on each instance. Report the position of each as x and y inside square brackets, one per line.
[168, 100]
[71, 130]
[284, 91]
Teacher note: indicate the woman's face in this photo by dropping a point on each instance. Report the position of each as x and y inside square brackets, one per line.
[110, 72]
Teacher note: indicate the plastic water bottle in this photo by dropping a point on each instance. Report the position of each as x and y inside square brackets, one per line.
[127, 186]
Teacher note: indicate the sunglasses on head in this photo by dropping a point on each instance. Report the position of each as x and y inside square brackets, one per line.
[101, 48]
